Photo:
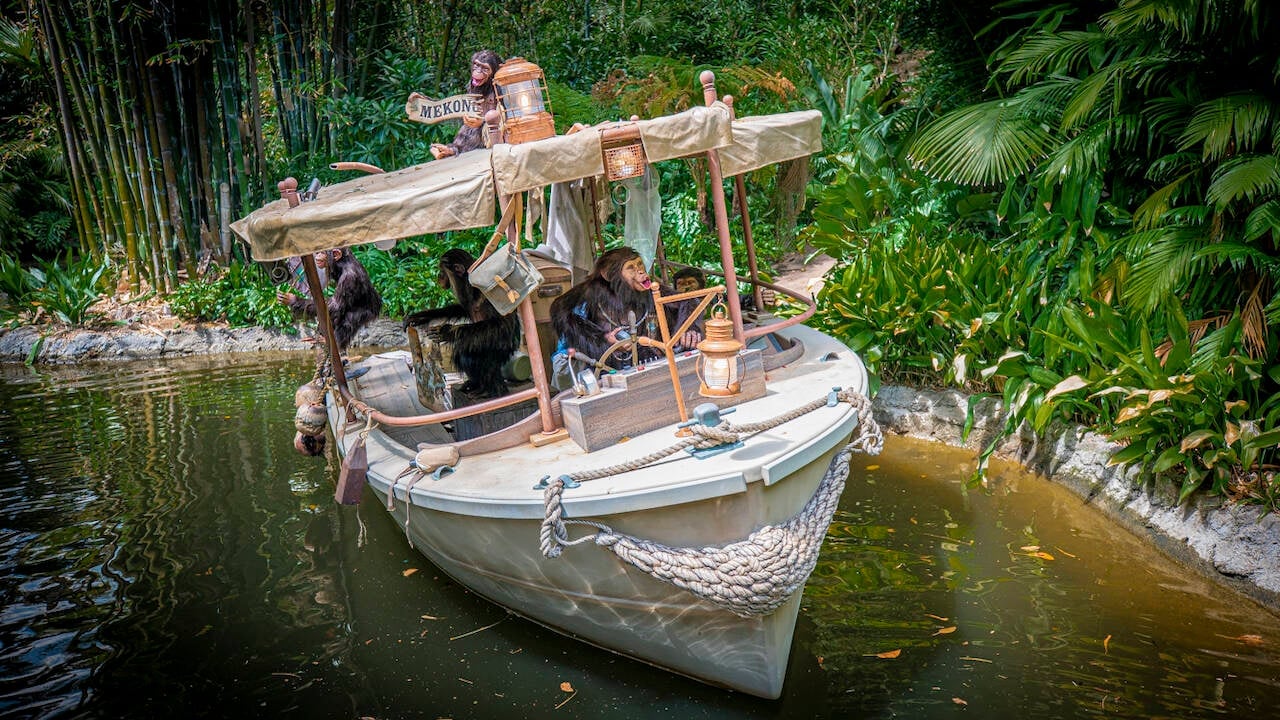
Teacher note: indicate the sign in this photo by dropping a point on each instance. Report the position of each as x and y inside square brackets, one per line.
[423, 109]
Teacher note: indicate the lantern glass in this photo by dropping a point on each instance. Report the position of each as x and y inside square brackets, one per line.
[719, 375]
[522, 99]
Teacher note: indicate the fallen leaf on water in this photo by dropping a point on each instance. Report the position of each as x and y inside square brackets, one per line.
[1042, 555]
[409, 572]
[1064, 552]
[873, 467]
[1246, 639]
[945, 630]
[1030, 548]
[890, 654]
[936, 617]
[430, 617]
[1106, 642]
[959, 701]
[566, 687]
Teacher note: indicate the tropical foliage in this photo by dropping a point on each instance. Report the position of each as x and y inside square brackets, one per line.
[1143, 140]
[1073, 206]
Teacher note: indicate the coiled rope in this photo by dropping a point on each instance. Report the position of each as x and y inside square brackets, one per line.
[751, 577]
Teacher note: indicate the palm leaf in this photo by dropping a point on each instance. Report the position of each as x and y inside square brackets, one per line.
[1234, 123]
[981, 144]
[1244, 179]
[1166, 258]
[1264, 218]
[1153, 209]
[1052, 54]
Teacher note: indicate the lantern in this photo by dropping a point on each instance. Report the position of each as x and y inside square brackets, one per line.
[623, 159]
[522, 91]
[718, 369]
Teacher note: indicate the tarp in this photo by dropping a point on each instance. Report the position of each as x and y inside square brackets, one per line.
[451, 194]
[461, 192]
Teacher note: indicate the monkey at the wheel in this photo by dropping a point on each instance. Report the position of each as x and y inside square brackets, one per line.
[483, 340]
[355, 302]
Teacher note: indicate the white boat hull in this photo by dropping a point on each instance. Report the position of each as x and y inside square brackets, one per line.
[481, 526]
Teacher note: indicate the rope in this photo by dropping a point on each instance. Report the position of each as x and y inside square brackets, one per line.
[751, 577]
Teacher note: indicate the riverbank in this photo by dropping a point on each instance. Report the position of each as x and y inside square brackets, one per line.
[1236, 545]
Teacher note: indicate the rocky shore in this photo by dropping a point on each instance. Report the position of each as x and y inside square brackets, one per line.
[1236, 545]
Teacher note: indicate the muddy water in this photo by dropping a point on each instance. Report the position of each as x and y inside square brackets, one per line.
[165, 553]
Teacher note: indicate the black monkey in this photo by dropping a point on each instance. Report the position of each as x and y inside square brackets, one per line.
[482, 339]
[355, 302]
[589, 316]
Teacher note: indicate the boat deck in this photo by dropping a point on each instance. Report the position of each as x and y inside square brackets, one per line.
[500, 483]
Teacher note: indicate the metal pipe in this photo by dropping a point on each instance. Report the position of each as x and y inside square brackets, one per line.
[416, 420]
[351, 165]
[708, 79]
[740, 189]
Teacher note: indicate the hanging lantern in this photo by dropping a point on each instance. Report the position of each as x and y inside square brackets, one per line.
[719, 368]
[623, 159]
[522, 90]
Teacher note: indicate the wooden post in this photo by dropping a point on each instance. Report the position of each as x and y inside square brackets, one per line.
[708, 79]
[289, 191]
[740, 189]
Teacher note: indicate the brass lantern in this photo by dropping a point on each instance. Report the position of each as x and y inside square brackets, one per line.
[522, 90]
[719, 368]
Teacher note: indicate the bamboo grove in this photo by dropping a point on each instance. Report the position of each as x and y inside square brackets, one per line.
[162, 110]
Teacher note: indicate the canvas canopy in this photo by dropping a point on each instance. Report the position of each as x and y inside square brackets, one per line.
[461, 192]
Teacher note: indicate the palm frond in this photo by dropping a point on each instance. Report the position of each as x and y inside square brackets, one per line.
[1185, 17]
[1165, 257]
[981, 144]
[1156, 206]
[1262, 220]
[1233, 123]
[1244, 178]
[1052, 54]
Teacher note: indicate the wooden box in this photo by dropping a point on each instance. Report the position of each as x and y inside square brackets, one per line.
[636, 402]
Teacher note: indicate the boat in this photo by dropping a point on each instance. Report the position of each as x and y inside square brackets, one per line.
[639, 515]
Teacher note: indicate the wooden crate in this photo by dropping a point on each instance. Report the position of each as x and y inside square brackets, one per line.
[636, 402]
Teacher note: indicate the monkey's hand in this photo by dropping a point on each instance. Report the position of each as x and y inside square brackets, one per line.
[443, 333]
[287, 298]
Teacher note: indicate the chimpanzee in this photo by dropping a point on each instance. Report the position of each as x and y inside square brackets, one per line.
[483, 340]
[616, 297]
[355, 302]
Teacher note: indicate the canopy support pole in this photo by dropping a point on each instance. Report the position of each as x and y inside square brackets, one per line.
[740, 190]
[708, 79]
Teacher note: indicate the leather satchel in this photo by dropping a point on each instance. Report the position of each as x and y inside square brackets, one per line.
[506, 278]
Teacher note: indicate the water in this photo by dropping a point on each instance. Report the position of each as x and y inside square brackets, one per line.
[164, 552]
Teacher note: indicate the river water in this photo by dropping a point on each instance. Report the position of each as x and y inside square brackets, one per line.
[165, 553]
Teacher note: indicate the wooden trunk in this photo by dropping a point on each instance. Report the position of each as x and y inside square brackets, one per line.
[635, 402]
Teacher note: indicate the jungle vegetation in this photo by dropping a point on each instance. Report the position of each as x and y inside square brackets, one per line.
[1071, 206]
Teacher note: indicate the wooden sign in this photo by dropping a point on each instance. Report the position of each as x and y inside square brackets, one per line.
[423, 109]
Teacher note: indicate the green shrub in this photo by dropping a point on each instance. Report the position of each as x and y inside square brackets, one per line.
[242, 296]
[68, 291]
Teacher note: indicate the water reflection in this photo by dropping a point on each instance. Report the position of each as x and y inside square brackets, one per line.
[164, 552]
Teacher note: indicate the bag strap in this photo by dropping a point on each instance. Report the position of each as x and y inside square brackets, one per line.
[509, 213]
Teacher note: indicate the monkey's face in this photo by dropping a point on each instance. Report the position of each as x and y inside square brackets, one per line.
[687, 284]
[634, 275]
[323, 257]
[480, 73]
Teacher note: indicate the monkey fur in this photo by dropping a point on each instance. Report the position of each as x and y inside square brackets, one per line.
[483, 340]
[355, 302]
[584, 315]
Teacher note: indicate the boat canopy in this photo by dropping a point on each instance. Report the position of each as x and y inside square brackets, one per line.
[461, 192]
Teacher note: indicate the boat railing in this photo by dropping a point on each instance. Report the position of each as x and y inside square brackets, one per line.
[811, 305]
